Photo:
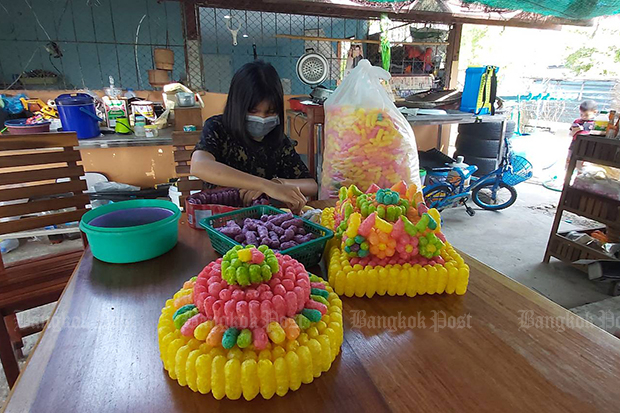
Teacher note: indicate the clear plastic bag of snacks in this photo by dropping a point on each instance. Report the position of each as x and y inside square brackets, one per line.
[367, 140]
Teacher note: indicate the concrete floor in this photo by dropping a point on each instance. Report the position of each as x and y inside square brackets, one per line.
[29, 249]
[512, 241]
[604, 314]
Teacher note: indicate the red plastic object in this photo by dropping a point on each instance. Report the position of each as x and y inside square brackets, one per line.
[197, 212]
[296, 105]
[20, 127]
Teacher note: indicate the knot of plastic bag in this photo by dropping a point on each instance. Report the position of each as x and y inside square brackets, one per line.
[376, 71]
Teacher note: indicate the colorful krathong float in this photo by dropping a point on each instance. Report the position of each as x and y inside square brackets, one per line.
[251, 322]
[389, 242]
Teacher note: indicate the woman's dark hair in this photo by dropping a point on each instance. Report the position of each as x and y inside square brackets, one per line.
[253, 83]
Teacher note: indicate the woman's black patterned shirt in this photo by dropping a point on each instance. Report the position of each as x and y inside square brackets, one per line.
[258, 159]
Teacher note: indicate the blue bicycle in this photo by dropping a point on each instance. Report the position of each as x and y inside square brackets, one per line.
[493, 191]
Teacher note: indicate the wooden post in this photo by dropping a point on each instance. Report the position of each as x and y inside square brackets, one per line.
[9, 362]
[452, 55]
[450, 77]
[193, 55]
[558, 214]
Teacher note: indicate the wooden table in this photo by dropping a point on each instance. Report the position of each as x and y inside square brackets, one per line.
[99, 352]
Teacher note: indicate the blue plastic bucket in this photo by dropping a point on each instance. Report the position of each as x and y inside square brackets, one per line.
[77, 114]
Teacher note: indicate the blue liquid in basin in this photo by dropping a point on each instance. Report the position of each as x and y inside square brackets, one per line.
[131, 217]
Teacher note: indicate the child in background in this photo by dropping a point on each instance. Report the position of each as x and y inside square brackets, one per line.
[583, 125]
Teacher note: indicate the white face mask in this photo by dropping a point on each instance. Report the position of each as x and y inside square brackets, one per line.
[259, 127]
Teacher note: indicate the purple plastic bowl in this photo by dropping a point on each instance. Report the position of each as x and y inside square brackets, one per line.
[131, 217]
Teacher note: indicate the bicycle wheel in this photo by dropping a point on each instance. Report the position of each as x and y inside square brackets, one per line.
[435, 196]
[494, 196]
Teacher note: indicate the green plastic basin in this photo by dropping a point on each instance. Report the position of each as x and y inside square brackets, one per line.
[133, 243]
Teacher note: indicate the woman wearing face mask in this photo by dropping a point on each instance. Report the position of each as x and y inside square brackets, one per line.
[245, 147]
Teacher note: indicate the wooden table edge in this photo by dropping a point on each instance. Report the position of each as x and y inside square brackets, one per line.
[23, 369]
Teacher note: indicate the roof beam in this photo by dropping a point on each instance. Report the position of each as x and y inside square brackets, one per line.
[348, 9]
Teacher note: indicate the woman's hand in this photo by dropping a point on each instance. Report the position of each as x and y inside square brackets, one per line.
[290, 195]
[249, 195]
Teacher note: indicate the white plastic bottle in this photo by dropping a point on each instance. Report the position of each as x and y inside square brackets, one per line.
[600, 123]
[453, 176]
[112, 91]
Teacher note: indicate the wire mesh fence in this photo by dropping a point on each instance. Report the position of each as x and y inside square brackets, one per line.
[95, 38]
[417, 49]
[68, 44]
[259, 35]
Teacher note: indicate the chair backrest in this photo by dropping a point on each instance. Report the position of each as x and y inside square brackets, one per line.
[30, 195]
[183, 144]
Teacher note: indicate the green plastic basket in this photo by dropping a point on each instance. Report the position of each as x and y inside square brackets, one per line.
[309, 253]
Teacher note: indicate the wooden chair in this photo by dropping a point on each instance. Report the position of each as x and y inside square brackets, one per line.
[30, 167]
[183, 145]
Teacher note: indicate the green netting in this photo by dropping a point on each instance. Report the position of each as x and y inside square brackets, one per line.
[567, 9]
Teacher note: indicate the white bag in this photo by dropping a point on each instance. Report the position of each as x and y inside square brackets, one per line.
[367, 140]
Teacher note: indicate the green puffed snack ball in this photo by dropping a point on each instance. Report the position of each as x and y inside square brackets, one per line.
[315, 278]
[311, 314]
[232, 253]
[245, 338]
[182, 318]
[183, 309]
[230, 275]
[243, 276]
[229, 339]
[318, 291]
[319, 299]
[255, 274]
[266, 272]
[273, 264]
[302, 321]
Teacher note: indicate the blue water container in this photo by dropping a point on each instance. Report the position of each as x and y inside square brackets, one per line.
[77, 114]
[473, 79]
